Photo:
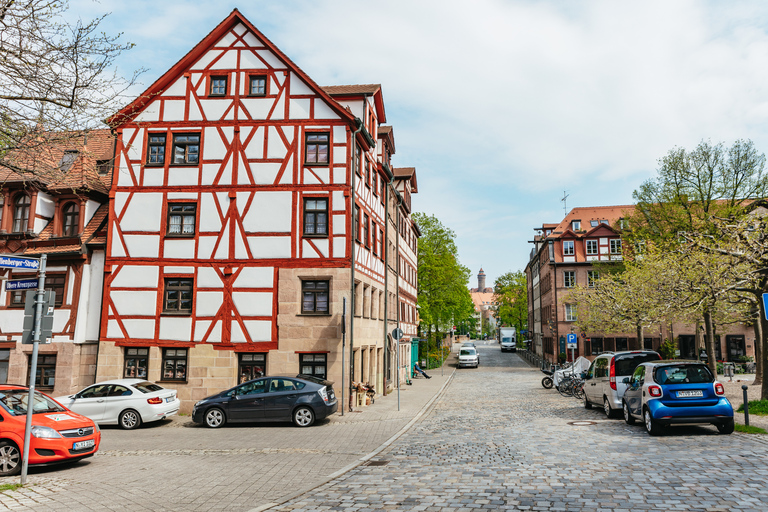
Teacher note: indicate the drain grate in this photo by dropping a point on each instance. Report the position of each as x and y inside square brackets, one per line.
[376, 463]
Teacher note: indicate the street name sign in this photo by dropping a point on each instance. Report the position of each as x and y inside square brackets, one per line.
[20, 284]
[19, 262]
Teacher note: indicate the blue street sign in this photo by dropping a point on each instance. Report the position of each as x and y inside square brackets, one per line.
[20, 284]
[572, 341]
[765, 305]
[17, 262]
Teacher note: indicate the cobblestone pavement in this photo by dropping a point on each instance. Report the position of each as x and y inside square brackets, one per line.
[175, 465]
[497, 440]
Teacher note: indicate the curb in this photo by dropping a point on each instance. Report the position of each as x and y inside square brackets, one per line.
[364, 458]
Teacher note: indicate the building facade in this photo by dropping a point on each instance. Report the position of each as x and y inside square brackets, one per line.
[60, 212]
[247, 210]
[564, 255]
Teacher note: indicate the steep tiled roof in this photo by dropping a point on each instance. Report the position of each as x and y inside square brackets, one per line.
[95, 226]
[407, 173]
[342, 90]
[587, 214]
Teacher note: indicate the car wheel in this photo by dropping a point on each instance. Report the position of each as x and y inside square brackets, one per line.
[651, 425]
[303, 417]
[725, 428]
[607, 408]
[10, 459]
[628, 418]
[587, 403]
[129, 419]
[214, 418]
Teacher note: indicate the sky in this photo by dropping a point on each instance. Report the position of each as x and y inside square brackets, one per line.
[504, 106]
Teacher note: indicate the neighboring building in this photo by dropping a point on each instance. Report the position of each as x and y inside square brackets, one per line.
[62, 214]
[563, 256]
[244, 192]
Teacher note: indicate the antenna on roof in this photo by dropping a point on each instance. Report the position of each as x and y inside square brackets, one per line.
[565, 207]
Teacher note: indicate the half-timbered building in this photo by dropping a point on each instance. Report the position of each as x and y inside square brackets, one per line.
[58, 209]
[246, 207]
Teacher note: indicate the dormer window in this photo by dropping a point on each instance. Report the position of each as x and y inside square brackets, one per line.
[568, 248]
[593, 223]
[604, 221]
[67, 160]
[21, 214]
[70, 219]
[576, 225]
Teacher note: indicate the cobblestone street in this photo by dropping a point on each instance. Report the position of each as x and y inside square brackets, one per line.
[497, 440]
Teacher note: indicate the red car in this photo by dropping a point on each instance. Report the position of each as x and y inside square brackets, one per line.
[58, 434]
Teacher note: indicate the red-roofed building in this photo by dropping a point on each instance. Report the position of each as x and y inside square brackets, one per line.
[563, 256]
[61, 213]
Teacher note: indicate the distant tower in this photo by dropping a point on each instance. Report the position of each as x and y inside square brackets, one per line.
[481, 281]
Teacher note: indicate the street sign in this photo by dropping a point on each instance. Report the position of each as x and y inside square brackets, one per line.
[29, 317]
[19, 262]
[20, 284]
[765, 305]
[573, 341]
[397, 333]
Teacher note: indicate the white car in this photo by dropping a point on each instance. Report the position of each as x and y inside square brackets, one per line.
[124, 402]
[468, 356]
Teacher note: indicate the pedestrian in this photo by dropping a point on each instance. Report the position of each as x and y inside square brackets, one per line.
[416, 368]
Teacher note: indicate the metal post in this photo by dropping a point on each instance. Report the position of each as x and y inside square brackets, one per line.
[746, 406]
[39, 301]
[397, 341]
[343, 346]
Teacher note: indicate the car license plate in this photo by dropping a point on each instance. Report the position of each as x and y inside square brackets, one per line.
[169, 399]
[691, 393]
[90, 443]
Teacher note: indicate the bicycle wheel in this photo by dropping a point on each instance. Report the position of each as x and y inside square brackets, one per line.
[547, 382]
[578, 390]
[565, 388]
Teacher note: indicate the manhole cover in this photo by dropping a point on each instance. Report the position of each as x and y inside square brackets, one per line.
[581, 423]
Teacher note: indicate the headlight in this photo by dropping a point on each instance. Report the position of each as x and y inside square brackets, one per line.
[96, 427]
[200, 402]
[44, 432]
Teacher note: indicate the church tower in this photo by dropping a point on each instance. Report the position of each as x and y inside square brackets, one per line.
[481, 281]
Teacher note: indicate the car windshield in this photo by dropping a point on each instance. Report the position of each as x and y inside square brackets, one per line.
[626, 363]
[506, 340]
[467, 352]
[683, 374]
[147, 387]
[15, 402]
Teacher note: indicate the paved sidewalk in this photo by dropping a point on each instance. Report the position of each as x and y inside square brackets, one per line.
[736, 395]
[176, 465]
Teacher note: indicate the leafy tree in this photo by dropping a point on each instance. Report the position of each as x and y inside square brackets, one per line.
[512, 296]
[443, 295]
[56, 82]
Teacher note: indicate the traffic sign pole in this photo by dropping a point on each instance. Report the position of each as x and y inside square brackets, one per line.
[33, 366]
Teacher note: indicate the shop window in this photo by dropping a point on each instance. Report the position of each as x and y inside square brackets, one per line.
[45, 376]
[251, 366]
[175, 364]
[314, 364]
[136, 363]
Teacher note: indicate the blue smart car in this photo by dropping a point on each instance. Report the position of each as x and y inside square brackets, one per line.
[663, 393]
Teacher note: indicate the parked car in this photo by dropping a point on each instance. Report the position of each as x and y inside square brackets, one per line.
[124, 402]
[664, 393]
[58, 434]
[300, 400]
[603, 381]
[468, 356]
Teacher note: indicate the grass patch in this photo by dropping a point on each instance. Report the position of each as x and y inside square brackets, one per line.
[9, 487]
[758, 407]
[749, 429]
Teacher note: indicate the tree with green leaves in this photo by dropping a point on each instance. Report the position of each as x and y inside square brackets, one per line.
[443, 295]
[57, 82]
[512, 297]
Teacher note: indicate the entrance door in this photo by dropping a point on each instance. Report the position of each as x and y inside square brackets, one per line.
[688, 347]
[736, 347]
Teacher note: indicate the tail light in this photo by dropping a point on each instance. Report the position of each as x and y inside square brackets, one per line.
[654, 391]
[323, 394]
[613, 375]
[719, 389]
[155, 401]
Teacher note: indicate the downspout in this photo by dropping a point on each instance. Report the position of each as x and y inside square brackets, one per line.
[385, 250]
[556, 341]
[397, 278]
[360, 128]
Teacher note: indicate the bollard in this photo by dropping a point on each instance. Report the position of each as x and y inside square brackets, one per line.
[746, 406]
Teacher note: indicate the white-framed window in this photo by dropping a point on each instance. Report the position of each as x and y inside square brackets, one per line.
[592, 276]
[576, 225]
[616, 246]
[570, 312]
[569, 278]
[591, 247]
[568, 247]
[594, 223]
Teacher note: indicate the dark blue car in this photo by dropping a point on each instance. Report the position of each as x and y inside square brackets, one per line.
[664, 393]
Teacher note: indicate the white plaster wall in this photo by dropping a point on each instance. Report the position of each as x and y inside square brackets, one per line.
[339, 247]
[177, 88]
[182, 176]
[208, 303]
[253, 303]
[143, 213]
[255, 277]
[150, 113]
[270, 246]
[142, 246]
[208, 278]
[258, 108]
[181, 248]
[143, 329]
[134, 302]
[60, 319]
[173, 110]
[90, 209]
[136, 276]
[265, 173]
[269, 212]
[204, 60]
[176, 328]
[209, 214]
[259, 330]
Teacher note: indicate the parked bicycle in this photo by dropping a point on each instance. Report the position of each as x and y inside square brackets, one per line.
[571, 385]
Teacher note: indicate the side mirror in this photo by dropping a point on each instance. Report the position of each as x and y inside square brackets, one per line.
[625, 380]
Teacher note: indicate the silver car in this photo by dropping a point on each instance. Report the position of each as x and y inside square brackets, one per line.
[468, 357]
[603, 382]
